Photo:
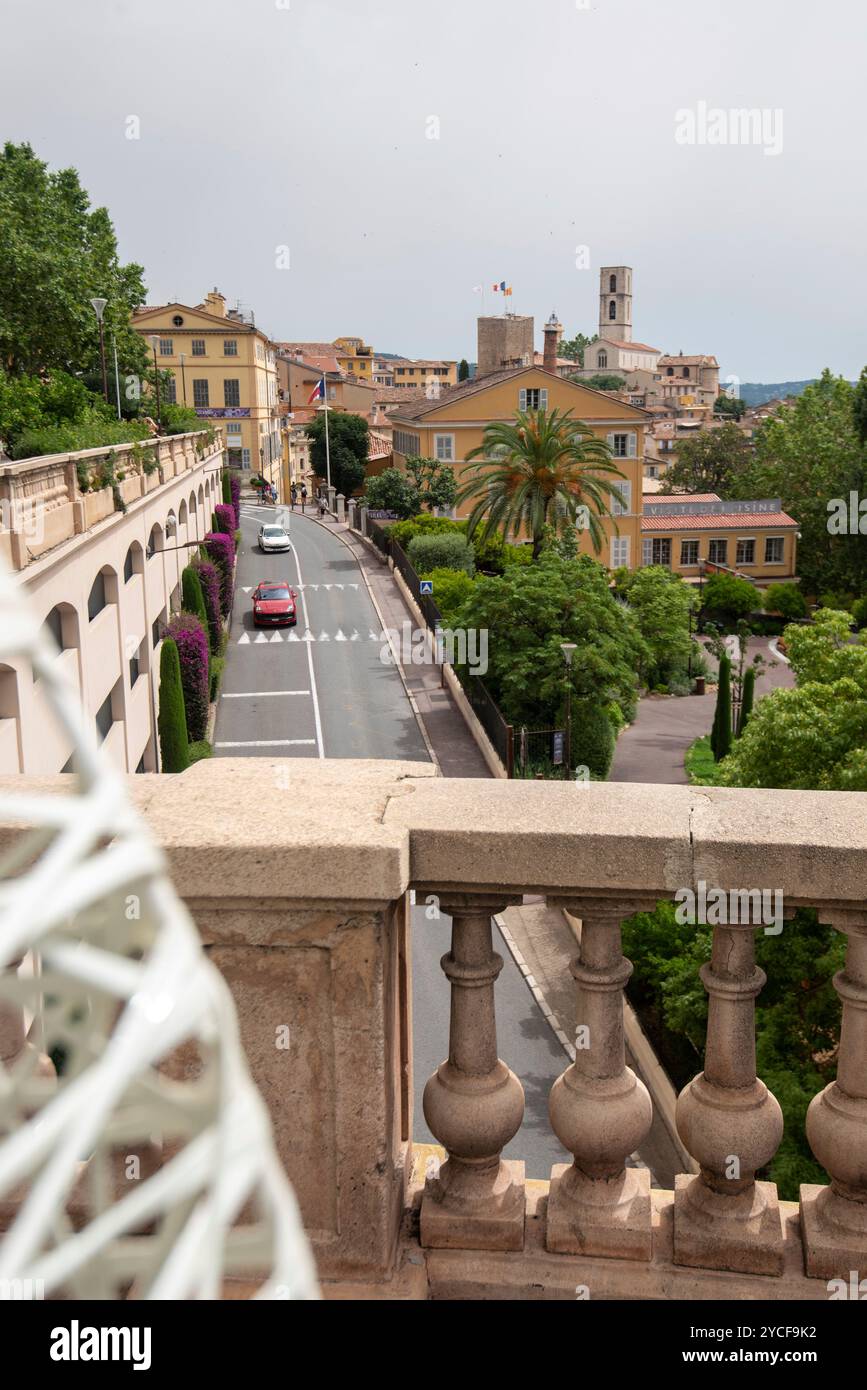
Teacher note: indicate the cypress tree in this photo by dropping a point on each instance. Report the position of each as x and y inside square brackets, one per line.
[192, 598]
[721, 735]
[747, 698]
[172, 722]
[463, 370]
[227, 492]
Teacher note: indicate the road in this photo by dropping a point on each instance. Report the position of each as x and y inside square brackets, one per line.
[321, 690]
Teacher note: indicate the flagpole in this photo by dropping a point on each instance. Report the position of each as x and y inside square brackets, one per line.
[327, 444]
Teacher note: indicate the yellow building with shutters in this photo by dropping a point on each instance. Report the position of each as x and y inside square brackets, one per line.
[224, 368]
[450, 428]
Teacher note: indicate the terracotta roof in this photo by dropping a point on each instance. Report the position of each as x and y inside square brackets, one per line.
[639, 347]
[379, 447]
[389, 394]
[480, 383]
[728, 521]
[685, 496]
[700, 360]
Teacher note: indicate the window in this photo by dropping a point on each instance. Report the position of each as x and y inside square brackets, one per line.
[171, 391]
[134, 668]
[656, 550]
[230, 347]
[104, 718]
[445, 447]
[157, 629]
[232, 427]
[612, 284]
[198, 347]
[623, 445]
[773, 550]
[234, 459]
[689, 552]
[97, 599]
[129, 565]
[534, 398]
[60, 626]
[231, 391]
[153, 544]
[200, 392]
[406, 443]
[669, 371]
[686, 371]
[745, 553]
[166, 347]
[245, 458]
[612, 310]
[619, 551]
[717, 551]
[624, 507]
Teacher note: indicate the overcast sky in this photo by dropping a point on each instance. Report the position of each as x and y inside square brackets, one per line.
[306, 124]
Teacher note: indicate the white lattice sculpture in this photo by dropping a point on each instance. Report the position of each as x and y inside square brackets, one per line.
[128, 1174]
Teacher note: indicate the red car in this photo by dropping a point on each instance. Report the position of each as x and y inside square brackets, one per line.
[274, 603]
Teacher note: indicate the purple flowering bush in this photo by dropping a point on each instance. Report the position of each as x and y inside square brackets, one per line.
[225, 519]
[209, 578]
[191, 640]
[235, 486]
[220, 550]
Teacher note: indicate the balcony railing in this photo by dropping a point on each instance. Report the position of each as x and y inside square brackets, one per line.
[47, 500]
[297, 874]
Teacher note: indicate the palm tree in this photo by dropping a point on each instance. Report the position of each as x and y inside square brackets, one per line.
[540, 469]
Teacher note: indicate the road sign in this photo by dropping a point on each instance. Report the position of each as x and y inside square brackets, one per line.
[558, 750]
[425, 587]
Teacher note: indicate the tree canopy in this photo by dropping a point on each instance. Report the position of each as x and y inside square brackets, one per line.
[348, 438]
[710, 461]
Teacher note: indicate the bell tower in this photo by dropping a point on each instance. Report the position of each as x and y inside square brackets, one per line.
[615, 302]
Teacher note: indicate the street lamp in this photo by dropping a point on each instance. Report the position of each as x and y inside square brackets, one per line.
[182, 357]
[153, 339]
[99, 310]
[568, 649]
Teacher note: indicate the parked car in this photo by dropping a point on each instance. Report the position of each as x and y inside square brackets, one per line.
[274, 604]
[274, 538]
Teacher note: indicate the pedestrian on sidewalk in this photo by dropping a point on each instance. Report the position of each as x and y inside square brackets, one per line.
[303, 496]
[293, 495]
[323, 508]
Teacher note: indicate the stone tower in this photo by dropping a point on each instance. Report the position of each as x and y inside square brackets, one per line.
[615, 302]
[553, 332]
[505, 341]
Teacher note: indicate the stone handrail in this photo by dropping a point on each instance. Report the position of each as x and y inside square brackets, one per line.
[297, 874]
[42, 502]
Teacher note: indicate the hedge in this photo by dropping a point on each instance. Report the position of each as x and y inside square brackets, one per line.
[172, 721]
[443, 551]
[192, 643]
[220, 550]
[192, 598]
[592, 741]
[209, 579]
[226, 521]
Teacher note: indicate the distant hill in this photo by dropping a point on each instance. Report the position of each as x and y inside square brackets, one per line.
[758, 393]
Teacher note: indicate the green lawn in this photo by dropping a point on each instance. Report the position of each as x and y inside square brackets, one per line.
[700, 764]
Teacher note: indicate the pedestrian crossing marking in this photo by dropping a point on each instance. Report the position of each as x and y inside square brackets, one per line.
[290, 635]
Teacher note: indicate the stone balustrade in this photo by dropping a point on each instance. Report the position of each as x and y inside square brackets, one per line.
[42, 502]
[297, 873]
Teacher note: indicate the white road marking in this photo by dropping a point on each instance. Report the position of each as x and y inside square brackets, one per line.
[316, 715]
[260, 694]
[271, 743]
[245, 637]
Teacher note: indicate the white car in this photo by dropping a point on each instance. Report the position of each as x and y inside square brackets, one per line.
[273, 538]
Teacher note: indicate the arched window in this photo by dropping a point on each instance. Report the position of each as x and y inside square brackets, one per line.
[182, 514]
[62, 626]
[133, 563]
[612, 284]
[192, 504]
[155, 541]
[669, 371]
[602, 359]
[612, 310]
[103, 591]
[686, 371]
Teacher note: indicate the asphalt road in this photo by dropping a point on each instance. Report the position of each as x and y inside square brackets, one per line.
[319, 689]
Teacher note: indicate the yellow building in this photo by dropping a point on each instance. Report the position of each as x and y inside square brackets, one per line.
[430, 375]
[224, 368]
[698, 534]
[450, 428]
[354, 355]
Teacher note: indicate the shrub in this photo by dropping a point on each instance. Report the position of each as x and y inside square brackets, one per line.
[201, 749]
[393, 491]
[517, 555]
[192, 598]
[209, 579]
[172, 721]
[425, 524]
[731, 597]
[220, 550]
[592, 739]
[452, 552]
[178, 419]
[225, 519]
[451, 589]
[839, 599]
[217, 665]
[68, 436]
[191, 640]
[787, 600]
[235, 491]
[859, 611]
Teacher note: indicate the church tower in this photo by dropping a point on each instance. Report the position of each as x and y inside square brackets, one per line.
[615, 302]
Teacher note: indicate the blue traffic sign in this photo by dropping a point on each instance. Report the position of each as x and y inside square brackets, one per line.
[425, 586]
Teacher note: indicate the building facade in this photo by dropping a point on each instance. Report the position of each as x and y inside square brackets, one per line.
[225, 369]
[698, 534]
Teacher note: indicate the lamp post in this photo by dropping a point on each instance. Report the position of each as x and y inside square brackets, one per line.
[99, 310]
[568, 649]
[153, 340]
[182, 357]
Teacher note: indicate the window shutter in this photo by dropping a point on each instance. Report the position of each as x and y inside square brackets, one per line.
[543, 399]
[610, 440]
[522, 399]
[647, 551]
[630, 446]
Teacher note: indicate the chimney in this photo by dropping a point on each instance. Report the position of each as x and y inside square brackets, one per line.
[553, 334]
[215, 303]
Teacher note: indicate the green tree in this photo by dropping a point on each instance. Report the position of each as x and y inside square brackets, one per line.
[445, 551]
[463, 370]
[729, 596]
[349, 440]
[435, 481]
[393, 491]
[810, 454]
[544, 468]
[192, 598]
[721, 733]
[747, 698]
[172, 721]
[711, 461]
[859, 406]
[661, 603]
[57, 254]
[451, 589]
[528, 613]
[602, 381]
[573, 348]
[785, 599]
[731, 406]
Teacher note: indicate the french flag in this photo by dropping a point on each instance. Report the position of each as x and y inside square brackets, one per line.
[318, 393]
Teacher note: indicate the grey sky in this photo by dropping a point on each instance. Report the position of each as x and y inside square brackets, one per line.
[304, 123]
